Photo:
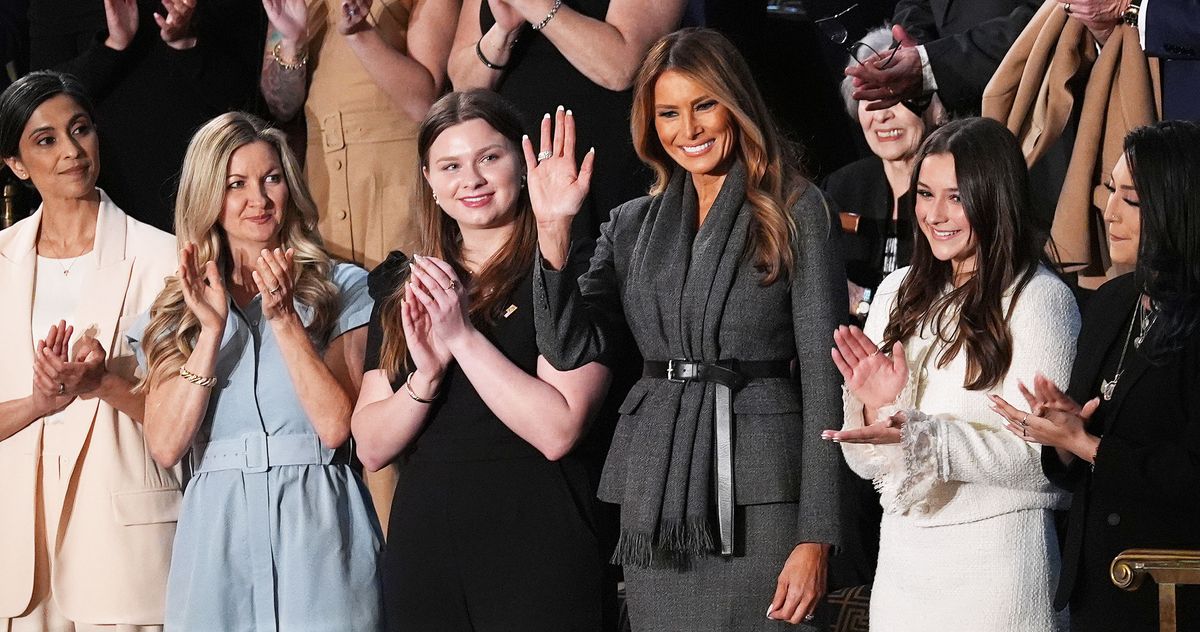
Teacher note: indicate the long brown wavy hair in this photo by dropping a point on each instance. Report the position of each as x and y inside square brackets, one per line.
[171, 334]
[993, 184]
[773, 178]
[491, 287]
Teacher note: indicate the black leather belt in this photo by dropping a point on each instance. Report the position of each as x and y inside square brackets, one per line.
[729, 376]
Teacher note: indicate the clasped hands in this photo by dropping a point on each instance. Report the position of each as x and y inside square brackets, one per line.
[876, 379]
[435, 316]
[885, 83]
[1053, 419]
[61, 374]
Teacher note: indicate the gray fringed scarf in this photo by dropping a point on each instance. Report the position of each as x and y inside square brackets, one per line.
[668, 489]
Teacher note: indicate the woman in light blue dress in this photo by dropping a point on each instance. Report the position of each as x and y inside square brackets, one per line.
[250, 357]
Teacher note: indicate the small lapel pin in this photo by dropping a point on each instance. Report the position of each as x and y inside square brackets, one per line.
[509, 312]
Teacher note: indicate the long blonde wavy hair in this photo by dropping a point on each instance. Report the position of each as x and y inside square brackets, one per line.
[773, 178]
[171, 334]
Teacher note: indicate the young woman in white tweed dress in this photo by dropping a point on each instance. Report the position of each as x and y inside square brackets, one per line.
[967, 540]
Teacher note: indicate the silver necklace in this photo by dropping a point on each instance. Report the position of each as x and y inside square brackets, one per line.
[1145, 321]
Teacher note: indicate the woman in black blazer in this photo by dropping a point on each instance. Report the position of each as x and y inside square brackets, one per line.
[1131, 453]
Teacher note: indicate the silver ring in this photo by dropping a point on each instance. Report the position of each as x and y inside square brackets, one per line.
[1025, 420]
[1067, 7]
[453, 284]
[542, 155]
[810, 616]
[62, 388]
[273, 290]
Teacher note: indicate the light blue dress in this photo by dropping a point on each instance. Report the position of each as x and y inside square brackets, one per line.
[269, 538]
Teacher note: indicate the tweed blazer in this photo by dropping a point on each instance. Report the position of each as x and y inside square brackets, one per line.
[778, 453]
[118, 514]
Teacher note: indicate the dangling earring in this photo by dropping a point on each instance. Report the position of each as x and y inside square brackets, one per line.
[435, 200]
[523, 181]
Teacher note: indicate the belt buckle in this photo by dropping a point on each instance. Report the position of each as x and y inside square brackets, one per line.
[680, 371]
[257, 444]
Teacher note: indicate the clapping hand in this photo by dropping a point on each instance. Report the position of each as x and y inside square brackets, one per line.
[1054, 419]
[203, 290]
[175, 28]
[77, 374]
[273, 276]
[429, 353]
[353, 16]
[442, 298]
[49, 395]
[289, 18]
[121, 18]
[885, 86]
[556, 187]
[872, 377]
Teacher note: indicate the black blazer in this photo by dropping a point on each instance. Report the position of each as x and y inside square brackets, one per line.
[862, 188]
[965, 40]
[1144, 491]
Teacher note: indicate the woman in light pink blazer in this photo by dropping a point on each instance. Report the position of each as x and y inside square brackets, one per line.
[88, 518]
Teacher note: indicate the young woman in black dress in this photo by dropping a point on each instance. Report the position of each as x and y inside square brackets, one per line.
[490, 526]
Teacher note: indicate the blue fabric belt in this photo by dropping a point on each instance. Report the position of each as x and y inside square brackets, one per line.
[254, 454]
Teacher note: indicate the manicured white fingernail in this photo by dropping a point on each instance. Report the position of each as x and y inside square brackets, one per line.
[546, 116]
[525, 137]
[560, 108]
[570, 113]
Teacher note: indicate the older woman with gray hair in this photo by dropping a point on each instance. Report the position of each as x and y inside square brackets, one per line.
[868, 193]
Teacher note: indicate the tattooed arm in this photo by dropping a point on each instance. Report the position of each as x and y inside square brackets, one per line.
[283, 88]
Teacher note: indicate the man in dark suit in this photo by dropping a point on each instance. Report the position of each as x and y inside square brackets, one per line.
[947, 47]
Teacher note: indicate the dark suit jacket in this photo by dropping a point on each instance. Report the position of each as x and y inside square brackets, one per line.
[861, 187]
[1145, 489]
[965, 40]
[1173, 35]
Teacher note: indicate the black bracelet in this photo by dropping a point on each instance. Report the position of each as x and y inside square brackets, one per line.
[479, 53]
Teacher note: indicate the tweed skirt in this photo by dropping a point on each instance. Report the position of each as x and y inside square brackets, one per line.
[716, 593]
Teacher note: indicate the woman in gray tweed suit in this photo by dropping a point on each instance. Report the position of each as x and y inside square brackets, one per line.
[729, 280]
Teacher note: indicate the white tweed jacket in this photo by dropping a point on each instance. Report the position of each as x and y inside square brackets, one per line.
[957, 463]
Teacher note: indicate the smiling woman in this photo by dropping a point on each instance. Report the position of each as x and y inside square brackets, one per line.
[976, 314]
[83, 499]
[491, 526]
[252, 356]
[727, 275]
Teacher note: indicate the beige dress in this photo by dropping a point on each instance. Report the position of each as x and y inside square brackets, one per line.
[361, 160]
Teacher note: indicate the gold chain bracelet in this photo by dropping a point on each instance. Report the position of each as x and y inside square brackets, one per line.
[198, 380]
[301, 59]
